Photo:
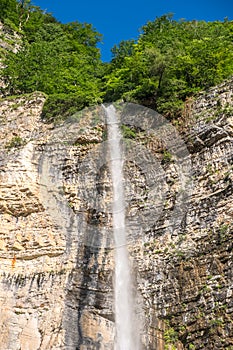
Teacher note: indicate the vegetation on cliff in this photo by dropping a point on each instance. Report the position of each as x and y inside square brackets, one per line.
[61, 60]
[171, 61]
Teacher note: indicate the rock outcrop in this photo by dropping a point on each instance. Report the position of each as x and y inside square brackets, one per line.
[56, 250]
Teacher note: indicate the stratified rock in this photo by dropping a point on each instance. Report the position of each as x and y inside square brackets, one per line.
[56, 249]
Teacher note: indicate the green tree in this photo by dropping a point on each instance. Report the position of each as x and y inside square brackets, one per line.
[171, 61]
[58, 59]
[119, 52]
[53, 63]
[9, 12]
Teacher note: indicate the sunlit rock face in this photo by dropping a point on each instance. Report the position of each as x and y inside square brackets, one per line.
[56, 247]
[188, 288]
[56, 291]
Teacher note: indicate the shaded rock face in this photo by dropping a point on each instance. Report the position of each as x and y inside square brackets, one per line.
[56, 248]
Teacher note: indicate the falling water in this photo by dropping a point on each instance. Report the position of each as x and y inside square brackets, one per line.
[126, 334]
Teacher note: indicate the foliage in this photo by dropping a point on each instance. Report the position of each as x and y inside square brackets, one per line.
[9, 12]
[170, 61]
[127, 132]
[15, 142]
[119, 52]
[60, 106]
[170, 338]
[52, 64]
[61, 60]
[167, 156]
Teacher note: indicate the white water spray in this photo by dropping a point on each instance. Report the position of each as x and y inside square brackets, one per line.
[126, 332]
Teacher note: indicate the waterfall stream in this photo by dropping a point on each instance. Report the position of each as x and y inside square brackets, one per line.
[126, 334]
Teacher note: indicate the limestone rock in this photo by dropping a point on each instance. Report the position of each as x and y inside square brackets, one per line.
[56, 250]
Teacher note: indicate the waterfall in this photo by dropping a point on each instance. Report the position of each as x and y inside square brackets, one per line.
[126, 333]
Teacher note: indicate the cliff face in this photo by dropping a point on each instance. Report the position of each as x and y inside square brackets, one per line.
[189, 276]
[56, 250]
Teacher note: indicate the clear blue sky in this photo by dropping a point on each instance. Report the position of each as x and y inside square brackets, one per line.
[122, 19]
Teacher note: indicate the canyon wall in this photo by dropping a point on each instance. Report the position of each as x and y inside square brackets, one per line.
[56, 247]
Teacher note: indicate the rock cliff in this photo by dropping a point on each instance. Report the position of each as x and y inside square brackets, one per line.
[56, 250]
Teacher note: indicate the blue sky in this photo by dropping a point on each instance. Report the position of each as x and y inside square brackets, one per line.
[122, 19]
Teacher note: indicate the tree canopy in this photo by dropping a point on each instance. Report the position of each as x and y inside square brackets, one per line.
[61, 60]
[170, 61]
